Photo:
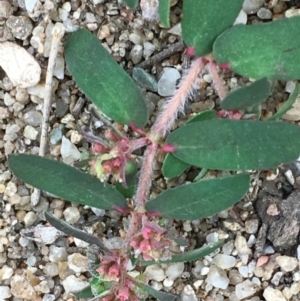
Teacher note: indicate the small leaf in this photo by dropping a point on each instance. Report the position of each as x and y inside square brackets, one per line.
[247, 96]
[236, 144]
[204, 20]
[201, 199]
[85, 293]
[287, 105]
[107, 85]
[65, 181]
[156, 294]
[172, 166]
[266, 49]
[164, 12]
[131, 179]
[188, 256]
[72, 231]
[131, 3]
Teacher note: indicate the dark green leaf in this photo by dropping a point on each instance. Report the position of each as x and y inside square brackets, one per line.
[131, 3]
[72, 231]
[189, 255]
[172, 166]
[164, 12]
[65, 181]
[156, 294]
[131, 179]
[247, 96]
[265, 49]
[287, 105]
[236, 144]
[201, 199]
[85, 293]
[107, 85]
[204, 20]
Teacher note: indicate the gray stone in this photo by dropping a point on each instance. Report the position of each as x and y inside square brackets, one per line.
[144, 79]
[264, 14]
[33, 118]
[56, 135]
[61, 108]
[5, 9]
[167, 82]
[252, 6]
[136, 54]
[21, 26]
[69, 151]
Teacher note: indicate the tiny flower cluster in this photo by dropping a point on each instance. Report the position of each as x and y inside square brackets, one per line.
[152, 242]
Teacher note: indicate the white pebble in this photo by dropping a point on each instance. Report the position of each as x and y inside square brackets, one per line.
[155, 272]
[175, 270]
[287, 263]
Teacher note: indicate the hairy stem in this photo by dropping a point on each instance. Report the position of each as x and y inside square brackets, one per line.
[212, 67]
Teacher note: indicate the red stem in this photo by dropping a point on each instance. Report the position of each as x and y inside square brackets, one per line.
[212, 67]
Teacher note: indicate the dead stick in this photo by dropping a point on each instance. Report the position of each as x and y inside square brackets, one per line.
[58, 32]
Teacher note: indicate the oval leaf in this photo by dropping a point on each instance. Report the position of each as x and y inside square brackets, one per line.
[85, 293]
[106, 84]
[287, 105]
[236, 144]
[201, 199]
[188, 256]
[247, 96]
[199, 25]
[65, 182]
[172, 166]
[164, 12]
[258, 52]
[131, 3]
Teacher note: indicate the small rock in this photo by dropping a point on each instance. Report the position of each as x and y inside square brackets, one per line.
[30, 132]
[235, 277]
[188, 294]
[69, 151]
[272, 294]
[51, 269]
[20, 26]
[251, 226]
[20, 66]
[73, 284]
[57, 254]
[144, 79]
[8, 100]
[30, 218]
[175, 270]
[5, 273]
[245, 289]
[155, 272]
[21, 288]
[241, 245]
[5, 9]
[30, 4]
[252, 6]
[149, 48]
[56, 135]
[175, 30]
[5, 292]
[264, 14]
[49, 297]
[241, 18]
[59, 68]
[287, 263]
[224, 261]
[243, 270]
[78, 263]
[276, 278]
[217, 277]
[136, 54]
[135, 38]
[71, 215]
[33, 118]
[167, 82]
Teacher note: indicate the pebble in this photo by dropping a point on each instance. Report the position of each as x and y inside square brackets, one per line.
[71, 215]
[4, 290]
[224, 261]
[30, 4]
[241, 18]
[175, 30]
[5, 9]
[217, 277]
[155, 272]
[73, 284]
[241, 245]
[245, 289]
[30, 132]
[21, 288]
[144, 79]
[77, 262]
[57, 254]
[264, 14]
[188, 294]
[49, 297]
[252, 6]
[243, 270]
[251, 226]
[56, 135]
[20, 66]
[51, 269]
[136, 54]
[271, 294]
[69, 151]
[149, 48]
[5, 273]
[30, 218]
[228, 247]
[287, 263]
[21, 26]
[33, 118]
[168, 81]
[175, 270]
[235, 277]
[276, 278]
[59, 68]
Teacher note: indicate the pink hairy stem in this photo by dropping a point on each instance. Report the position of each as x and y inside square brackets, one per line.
[212, 67]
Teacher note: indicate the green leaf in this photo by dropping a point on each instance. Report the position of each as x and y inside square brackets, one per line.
[131, 3]
[65, 181]
[131, 179]
[156, 294]
[107, 85]
[265, 49]
[172, 166]
[85, 293]
[247, 96]
[236, 144]
[164, 12]
[201, 199]
[188, 256]
[72, 231]
[287, 105]
[204, 20]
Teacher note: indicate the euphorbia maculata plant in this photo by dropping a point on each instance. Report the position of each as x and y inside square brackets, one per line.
[229, 139]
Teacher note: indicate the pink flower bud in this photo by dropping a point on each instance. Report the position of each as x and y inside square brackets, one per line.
[190, 51]
[147, 232]
[124, 294]
[114, 271]
[145, 246]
